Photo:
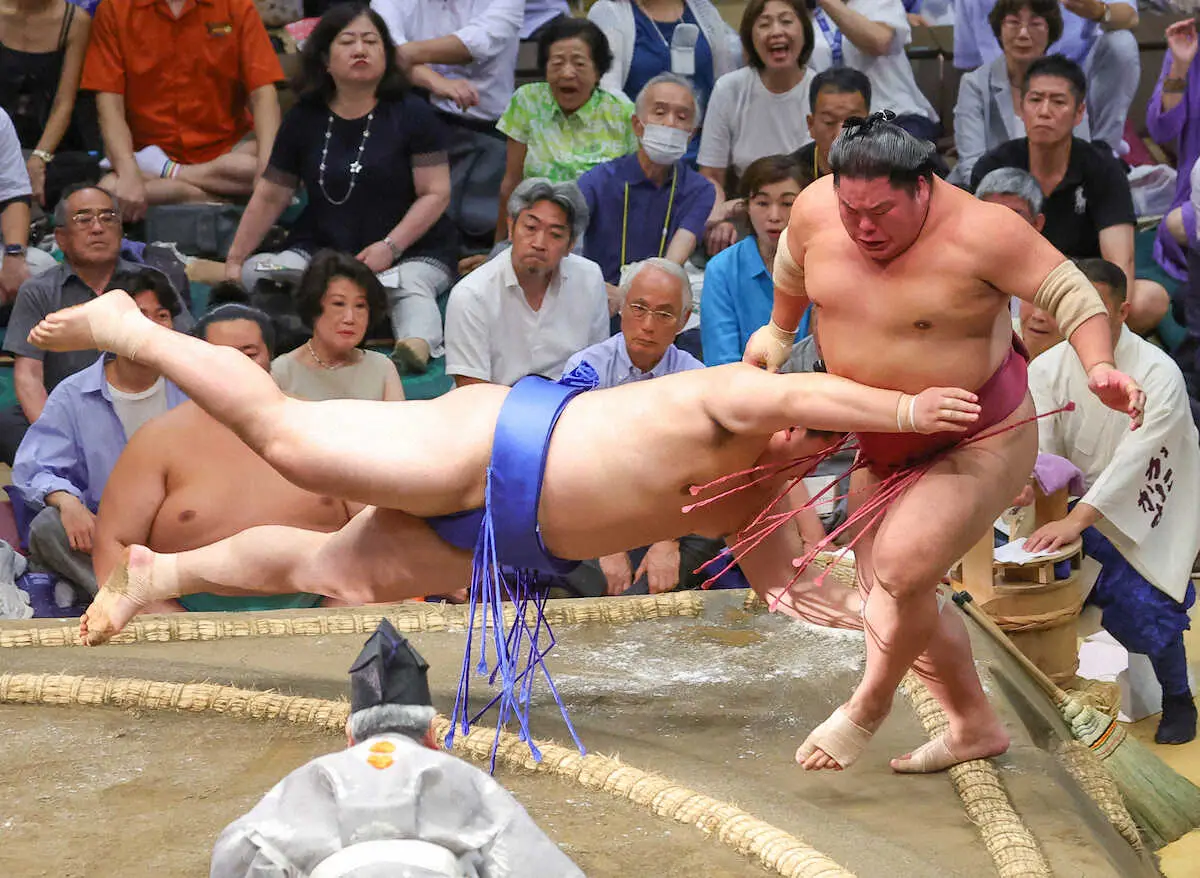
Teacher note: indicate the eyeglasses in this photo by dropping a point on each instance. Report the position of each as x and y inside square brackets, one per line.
[1035, 26]
[641, 312]
[84, 218]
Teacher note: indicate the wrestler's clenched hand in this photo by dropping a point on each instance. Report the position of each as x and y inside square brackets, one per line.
[1118, 391]
[945, 410]
[769, 347]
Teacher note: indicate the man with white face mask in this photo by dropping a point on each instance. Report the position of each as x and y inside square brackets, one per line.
[649, 203]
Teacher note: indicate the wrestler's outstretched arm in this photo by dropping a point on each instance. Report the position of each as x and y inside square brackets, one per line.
[421, 457]
[1016, 260]
[748, 401]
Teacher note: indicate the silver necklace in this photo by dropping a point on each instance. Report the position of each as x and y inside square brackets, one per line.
[312, 353]
[355, 166]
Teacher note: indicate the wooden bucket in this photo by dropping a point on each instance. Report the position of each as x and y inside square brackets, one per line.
[1038, 611]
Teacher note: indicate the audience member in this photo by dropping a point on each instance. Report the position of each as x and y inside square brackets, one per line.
[987, 112]
[465, 55]
[648, 37]
[339, 298]
[650, 203]
[372, 160]
[1138, 515]
[185, 481]
[870, 35]
[42, 43]
[657, 301]
[18, 261]
[1088, 207]
[533, 305]
[393, 803]
[758, 110]
[1096, 34]
[65, 459]
[175, 122]
[738, 285]
[560, 128]
[1173, 119]
[88, 231]
[539, 14]
[836, 94]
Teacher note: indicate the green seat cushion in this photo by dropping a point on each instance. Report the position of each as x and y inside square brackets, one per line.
[211, 603]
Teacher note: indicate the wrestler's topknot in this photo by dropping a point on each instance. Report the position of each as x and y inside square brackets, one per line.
[877, 147]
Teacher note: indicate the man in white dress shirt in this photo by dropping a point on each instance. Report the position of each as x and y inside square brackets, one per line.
[1138, 517]
[534, 305]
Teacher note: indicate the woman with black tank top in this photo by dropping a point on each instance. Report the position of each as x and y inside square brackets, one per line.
[42, 44]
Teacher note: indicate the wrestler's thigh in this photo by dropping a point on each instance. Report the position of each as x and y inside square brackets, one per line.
[933, 524]
[384, 555]
[425, 457]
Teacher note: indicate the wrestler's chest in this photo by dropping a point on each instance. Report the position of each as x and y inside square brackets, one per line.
[899, 296]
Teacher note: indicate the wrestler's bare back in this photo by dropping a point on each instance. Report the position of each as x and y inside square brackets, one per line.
[621, 461]
[928, 316]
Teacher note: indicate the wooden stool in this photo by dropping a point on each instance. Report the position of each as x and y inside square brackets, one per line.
[1034, 606]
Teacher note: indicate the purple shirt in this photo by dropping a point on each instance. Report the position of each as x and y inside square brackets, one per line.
[1178, 127]
[604, 188]
[75, 444]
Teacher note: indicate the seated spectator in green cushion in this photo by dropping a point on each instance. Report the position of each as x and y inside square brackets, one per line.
[560, 128]
[184, 481]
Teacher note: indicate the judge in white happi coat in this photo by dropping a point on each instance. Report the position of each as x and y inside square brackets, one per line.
[1138, 517]
[392, 805]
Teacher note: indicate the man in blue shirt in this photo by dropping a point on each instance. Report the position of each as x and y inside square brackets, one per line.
[651, 202]
[656, 302]
[65, 458]
[1097, 35]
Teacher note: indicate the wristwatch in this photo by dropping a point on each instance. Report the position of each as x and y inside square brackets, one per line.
[14, 250]
[396, 251]
[46, 157]
[1106, 15]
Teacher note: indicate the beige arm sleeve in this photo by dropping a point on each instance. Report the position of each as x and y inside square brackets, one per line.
[1068, 295]
[786, 272]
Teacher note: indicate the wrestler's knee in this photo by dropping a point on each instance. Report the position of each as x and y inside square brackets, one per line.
[899, 573]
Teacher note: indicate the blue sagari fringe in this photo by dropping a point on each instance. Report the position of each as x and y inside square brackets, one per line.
[519, 651]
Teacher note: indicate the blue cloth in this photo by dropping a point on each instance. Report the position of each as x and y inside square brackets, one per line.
[1140, 617]
[604, 189]
[652, 56]
[520, 445]
[610, 359]
[510, 554]
[738, 296]
[75, 444]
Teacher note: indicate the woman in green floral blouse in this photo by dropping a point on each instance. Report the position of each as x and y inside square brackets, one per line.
[566, 125]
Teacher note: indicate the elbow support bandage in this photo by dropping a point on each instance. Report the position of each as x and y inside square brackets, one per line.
[786, 273]
[1069, 296]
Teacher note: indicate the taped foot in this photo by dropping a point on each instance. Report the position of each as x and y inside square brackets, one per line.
[126, 592]
[926, 759]
[111, 322]
[938, 755]
[836, 743]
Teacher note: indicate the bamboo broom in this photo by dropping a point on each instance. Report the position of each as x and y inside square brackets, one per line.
[1165, 804]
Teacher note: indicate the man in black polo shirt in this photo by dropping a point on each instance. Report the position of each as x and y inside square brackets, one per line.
[1088, 207]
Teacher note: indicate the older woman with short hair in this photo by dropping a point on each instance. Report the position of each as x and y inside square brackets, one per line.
[987, 112]
[568, 124]
[339, 298]
[372, 159]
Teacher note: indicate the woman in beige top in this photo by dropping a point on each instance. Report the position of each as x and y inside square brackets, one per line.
[339, 297]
